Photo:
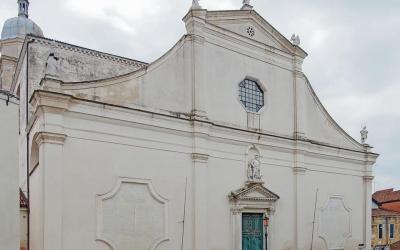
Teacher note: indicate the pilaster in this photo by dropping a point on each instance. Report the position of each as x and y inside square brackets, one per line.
[51, 163]
[298, 99]
[195, 21]
[370, 159]
[46, 126]
[236, 218]
[299, 171]
[368, 211]
[200, 164]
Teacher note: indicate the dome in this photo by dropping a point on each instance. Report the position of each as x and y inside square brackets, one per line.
[20, 27]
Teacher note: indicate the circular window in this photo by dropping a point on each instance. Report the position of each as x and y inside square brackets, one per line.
[250, 31]
[251, 95]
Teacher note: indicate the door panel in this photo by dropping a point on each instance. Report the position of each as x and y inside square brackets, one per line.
[252, 231]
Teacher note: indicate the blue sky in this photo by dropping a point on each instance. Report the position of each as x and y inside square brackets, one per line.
[353, 51]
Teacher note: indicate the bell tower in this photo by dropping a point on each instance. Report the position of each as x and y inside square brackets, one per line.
[12, 38]
[23, 6]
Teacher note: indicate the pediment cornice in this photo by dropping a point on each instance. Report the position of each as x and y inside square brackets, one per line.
[238, 16]
[253, 192]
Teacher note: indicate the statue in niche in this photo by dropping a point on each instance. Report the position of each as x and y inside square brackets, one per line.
[53, 65]
[364, 135]
[253, 170]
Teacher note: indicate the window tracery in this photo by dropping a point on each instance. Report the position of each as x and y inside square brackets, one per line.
[251, 95]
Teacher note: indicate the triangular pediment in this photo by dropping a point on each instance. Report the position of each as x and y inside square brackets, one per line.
[253, 192]
[253, 26]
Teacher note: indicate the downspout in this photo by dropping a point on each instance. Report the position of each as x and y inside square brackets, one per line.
[27, 139]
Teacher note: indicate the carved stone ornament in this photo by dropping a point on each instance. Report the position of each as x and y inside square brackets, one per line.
[255, 192]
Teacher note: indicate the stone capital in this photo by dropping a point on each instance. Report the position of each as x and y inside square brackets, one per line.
[195, 21]
[299, 170]
[202, 158]
[41, 98]
[236, 210]
[368, 178]
[51, 138]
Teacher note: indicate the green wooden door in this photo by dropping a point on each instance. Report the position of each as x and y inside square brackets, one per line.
[252, 232]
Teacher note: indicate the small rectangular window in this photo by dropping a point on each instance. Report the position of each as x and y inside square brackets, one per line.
[380, 231]
[391, 231]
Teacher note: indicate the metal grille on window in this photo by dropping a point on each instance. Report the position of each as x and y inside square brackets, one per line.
[251, 95]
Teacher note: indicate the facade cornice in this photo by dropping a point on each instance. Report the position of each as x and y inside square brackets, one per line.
[11, 40]
[8, 58]
[50, 99]
[253, 15]
[216, 130]
[244, 43]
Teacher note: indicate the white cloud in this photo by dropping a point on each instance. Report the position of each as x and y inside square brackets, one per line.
[220, 4]
[385, 182]
[365, 106]
[121, 15]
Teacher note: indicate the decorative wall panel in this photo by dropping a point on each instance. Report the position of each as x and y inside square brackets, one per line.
[335, 223]
[132, 216]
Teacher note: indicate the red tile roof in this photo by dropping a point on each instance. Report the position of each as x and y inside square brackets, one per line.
[23, 201]
[384, 212]
[387, 195]
[395, 246]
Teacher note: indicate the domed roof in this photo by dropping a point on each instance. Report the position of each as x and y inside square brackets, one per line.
[20, 27]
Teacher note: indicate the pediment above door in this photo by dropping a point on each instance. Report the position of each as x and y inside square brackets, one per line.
[254, 195]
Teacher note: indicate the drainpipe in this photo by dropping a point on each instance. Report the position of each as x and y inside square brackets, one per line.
[27, 139]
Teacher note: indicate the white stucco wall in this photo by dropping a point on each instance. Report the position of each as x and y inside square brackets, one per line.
[9, 192]
[115, 154]
[98, 151]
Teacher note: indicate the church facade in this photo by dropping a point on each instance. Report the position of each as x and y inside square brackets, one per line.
[221, 143]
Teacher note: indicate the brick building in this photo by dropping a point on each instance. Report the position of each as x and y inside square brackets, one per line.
[388, 199]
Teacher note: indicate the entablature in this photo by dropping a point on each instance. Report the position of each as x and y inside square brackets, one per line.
[182, 124]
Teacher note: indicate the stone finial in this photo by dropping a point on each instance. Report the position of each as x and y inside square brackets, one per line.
[195, 5]
[295, 39]
[246, 5]
[364, 135]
